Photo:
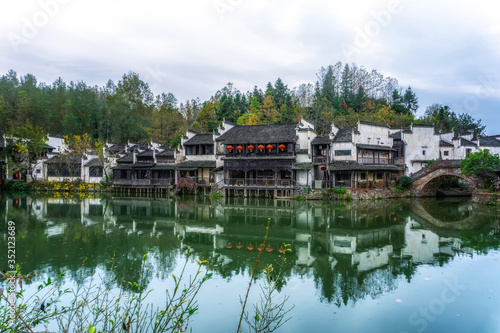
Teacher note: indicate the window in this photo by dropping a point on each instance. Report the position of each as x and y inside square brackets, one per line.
[446, 153]
[363, 175]
[342, 153]
[95, 171]
[210, 150]
[423, 152]
[380, 175]
[468, 151]
[38, 171]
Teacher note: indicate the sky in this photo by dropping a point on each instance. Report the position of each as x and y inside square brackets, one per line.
[447, 51]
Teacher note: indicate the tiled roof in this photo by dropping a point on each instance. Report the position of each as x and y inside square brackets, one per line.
[396, 136]
[167, 152]
[93, 163]
[467, 143]
[200, 139]
[129, 158]
[147, 153]
[260, 134]
[164, 166]
[190, 165]
[72, 159]
[116, 148]
[273, 157]
[343, 135]
[488, 141]
[321, 140]
[355, 166]
[375, 147]
[443, 143]
[302, 166]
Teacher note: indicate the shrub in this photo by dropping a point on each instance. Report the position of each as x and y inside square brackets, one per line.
[404, 182]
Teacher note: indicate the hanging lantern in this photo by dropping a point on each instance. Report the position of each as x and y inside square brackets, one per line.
[251, 147]
[230, 148]
[261, 147]
[240, 148]
[323, 168]
[282, 147]
[270, 147]
[229, 245]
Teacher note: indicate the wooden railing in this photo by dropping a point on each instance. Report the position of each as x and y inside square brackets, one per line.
[258, 182]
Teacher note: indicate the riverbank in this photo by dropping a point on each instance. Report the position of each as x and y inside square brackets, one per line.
[486, 198]
[357, 194]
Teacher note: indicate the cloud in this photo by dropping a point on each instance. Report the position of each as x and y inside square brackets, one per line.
[193, 48]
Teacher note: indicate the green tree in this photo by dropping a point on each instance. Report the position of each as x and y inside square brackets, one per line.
[480, 163]
[28, 144]
[166, 119]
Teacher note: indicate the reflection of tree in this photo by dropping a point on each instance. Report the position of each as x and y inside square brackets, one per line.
[128, 229]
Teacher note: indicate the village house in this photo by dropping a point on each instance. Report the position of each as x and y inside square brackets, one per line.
[363, 157]
[258, 158]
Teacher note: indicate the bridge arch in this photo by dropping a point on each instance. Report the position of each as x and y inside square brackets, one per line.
[440, 169]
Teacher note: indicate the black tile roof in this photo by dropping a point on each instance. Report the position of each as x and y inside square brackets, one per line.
[488, 141]
[191, 165]
[396, 136]
[93, 163]
[71, 159]
[200, 139]
[129, 158]
[116, 148]
[302, 166]
[343, 135]
[375, 147]
[467, 143]
[321, 140]
[167, 152]
[257, 134]
[146, 153]
[355, 166]
[443, 143]
[164, 166]
[274, 157]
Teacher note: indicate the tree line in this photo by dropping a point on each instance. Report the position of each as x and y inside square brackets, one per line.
[128, 110]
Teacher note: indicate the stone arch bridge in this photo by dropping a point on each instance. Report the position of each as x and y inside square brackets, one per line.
[424, 177]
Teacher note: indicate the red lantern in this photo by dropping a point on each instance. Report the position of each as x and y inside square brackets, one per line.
[230, 148]
[282, 147]
[270, 147]
[240, 148]
[261, 147]
[251, 147]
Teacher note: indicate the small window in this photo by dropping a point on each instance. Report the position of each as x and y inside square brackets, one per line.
[380, 175]
[363, 175]
[446, 153]
[342, 153]
[38, 171]
[423, 152]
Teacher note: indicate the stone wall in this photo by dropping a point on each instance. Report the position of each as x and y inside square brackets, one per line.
[487, 198]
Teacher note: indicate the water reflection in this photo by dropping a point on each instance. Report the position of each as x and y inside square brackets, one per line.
[352, 250]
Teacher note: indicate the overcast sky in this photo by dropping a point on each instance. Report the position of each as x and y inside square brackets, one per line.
[447, 51]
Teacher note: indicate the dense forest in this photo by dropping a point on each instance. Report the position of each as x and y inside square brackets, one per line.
[128, 110]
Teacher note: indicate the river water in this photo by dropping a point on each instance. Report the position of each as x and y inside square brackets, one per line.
[380, 266]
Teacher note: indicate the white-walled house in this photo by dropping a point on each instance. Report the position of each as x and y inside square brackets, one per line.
[363, 156]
